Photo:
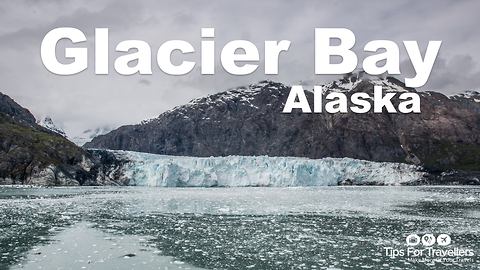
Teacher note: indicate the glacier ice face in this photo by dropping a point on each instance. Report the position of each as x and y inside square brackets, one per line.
[238, 171]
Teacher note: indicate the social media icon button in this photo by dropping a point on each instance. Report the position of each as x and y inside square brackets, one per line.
[413, 240]
[428, 240]
[444, 240]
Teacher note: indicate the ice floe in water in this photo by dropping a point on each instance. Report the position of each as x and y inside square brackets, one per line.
[237, 171]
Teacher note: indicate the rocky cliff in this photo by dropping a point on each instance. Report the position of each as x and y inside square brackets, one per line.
[33, 155]
[249, 121]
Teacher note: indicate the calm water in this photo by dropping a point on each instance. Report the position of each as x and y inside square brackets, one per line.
[239, 228]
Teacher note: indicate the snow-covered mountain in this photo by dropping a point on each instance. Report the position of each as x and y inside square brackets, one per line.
[89, 134]
[469, 99]
[48, 123]
[80, 140]
[248, 121]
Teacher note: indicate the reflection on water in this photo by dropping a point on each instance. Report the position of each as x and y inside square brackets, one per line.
[236, 228]
[81, 247]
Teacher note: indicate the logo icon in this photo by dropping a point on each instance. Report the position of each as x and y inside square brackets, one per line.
[428, 240]
[444, 239]
[413, 240]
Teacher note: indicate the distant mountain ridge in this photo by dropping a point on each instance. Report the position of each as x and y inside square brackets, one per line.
[48, 123]
[248, 121]
[89, 134]
[469, 100]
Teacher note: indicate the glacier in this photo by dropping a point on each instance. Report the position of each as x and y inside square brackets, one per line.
[243, 171]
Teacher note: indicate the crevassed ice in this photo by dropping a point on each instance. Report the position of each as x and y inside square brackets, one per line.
[236, 171]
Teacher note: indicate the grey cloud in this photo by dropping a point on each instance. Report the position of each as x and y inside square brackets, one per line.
[183, 19]
[113, 16]
[87, 100]
[144, 81]
[118, 15]
[455, 75]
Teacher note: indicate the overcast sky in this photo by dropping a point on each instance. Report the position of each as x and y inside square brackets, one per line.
[85, 100]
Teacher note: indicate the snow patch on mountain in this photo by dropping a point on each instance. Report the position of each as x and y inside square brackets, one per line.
[48, 123]
[475, 95]
[243, 95]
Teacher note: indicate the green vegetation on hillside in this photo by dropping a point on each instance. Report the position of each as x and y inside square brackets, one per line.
[453, 156]
[26, 146]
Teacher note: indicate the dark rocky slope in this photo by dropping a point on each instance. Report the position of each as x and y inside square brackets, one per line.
[249, 121]
[31, 154]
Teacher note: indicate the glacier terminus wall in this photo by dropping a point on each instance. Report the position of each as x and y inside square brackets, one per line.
[240, 171]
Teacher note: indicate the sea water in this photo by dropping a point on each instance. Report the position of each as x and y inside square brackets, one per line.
[240, 228]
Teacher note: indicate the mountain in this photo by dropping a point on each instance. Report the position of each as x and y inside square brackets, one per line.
[10, 108]
[469, 99]
[34, 155]
[89, 134]
[48, 123]
[248, 121]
